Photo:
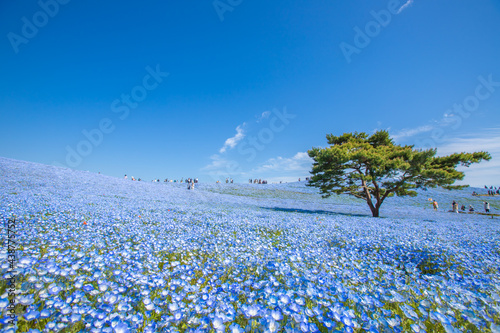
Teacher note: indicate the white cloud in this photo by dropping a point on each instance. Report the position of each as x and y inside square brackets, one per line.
[263, 116]
[300, 163]
[217, 163]
[220, 168]
[409, 132]
[484, 173]
[489, 144]
[406, 5]
[233, 141]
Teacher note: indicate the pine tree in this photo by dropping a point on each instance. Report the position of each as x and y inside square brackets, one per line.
[373, 168]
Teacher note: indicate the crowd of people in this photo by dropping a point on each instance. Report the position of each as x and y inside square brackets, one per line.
[191, 183]
[195, 180]
[463, 208]
[187, 180]
[132, 178]
[454, 207]
[257, 181]
[492, 190]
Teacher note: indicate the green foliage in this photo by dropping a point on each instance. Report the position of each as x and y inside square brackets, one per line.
[373, 168]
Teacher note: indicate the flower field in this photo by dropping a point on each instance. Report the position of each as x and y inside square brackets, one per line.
[101, 254]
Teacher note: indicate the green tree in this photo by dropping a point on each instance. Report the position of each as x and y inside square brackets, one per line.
[373, 168]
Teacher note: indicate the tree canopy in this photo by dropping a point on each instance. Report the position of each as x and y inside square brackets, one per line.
[373, 168]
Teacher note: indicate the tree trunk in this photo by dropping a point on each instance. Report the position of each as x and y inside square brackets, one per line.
[374, 209]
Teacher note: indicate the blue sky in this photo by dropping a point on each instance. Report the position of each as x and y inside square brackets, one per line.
[242, 89]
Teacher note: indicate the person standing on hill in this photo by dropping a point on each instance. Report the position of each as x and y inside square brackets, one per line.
[486, 207]
[435, 205]
[454, 206]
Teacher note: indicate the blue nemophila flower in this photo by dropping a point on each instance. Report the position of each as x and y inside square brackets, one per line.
[284, 299]
[65, 310]
[121, 328]
[417, 328]
[273, 326]
[31, 315]
[75, 318]
[235, 328]
[51, 325]
[88, 288]
[295, 307]
[172, 306]
[26, 299]
[218, 324]
[252, 310]
[45, 313]
[394, 322]
[99, 323]
[276, 314]
[4, 302]
[103, 287]
[110, 298]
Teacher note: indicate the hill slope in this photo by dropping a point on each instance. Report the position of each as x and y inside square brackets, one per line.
[96, 252]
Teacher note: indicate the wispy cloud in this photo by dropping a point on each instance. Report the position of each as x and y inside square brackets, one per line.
[263, 116]
[300, 163]
[484, 143]
[486, 172]
[406, 5]
[221, 167]
[231, 142]
[409, 132]
[217, 163]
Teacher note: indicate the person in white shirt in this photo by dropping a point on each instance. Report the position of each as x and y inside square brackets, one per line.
[486, 207]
